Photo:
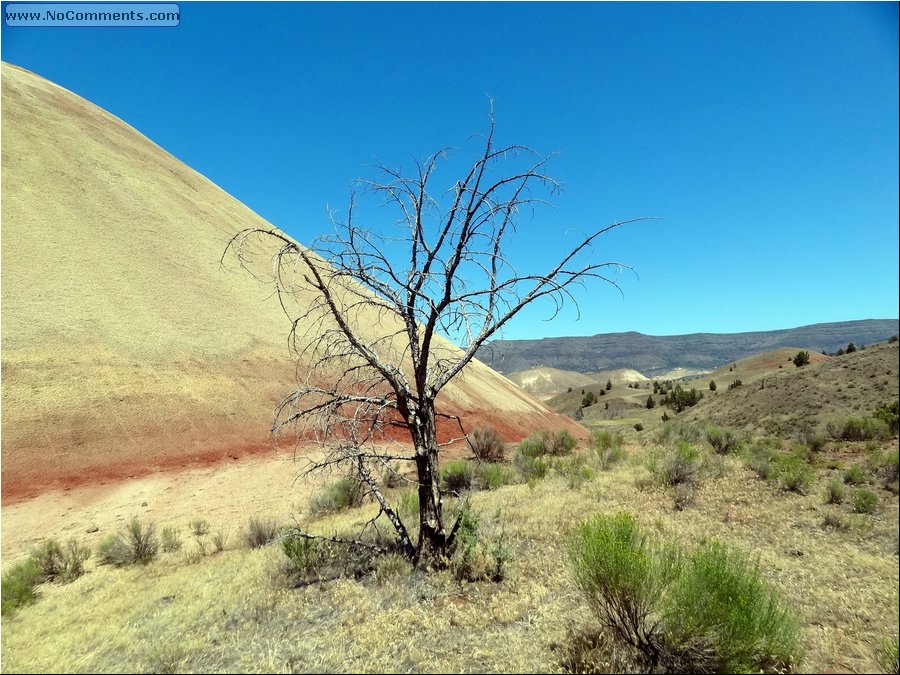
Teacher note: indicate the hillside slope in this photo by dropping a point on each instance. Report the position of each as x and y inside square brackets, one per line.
[785, 400]
[126, 346]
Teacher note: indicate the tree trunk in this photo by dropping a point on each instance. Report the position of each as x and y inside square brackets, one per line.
[432, 547]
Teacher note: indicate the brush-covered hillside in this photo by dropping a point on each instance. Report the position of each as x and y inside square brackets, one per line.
[126, 344]
[777, 397]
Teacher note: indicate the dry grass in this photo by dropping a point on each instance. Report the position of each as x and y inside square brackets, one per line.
[233, 611]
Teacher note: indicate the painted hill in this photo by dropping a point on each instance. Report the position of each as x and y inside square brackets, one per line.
[547, 382]
[126, 346]
[654, 355]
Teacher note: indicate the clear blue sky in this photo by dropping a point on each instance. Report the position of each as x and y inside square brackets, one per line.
[765, 135]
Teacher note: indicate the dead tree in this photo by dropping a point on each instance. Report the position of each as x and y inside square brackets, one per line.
[442, 277]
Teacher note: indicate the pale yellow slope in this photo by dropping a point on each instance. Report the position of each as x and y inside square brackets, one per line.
[125, 345]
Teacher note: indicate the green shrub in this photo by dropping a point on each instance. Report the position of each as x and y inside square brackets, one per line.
[493, 476]
[834, 492]
[72, 558]
[199, 527]
[486, 445]
[792, 473]
[723, 618]
[865, 501]
[859, 429]
[673, 431]
[170, 540]
[575, 470]
[457, 475]
[606, 449]
[638, 427]
[801, 359]
[710, 611]
[529, 457]
[813, 439]
[724, 441]
[890, 415]
[621, 577]
[19, 584]
[588, 399]
[114, 551]
[474, 557]
[137, 544]
[562, 443]
[887, 654]
[260, 531]
[48, 557]
[343, 493]
[855, 475]
[679, 466]
[219, 539]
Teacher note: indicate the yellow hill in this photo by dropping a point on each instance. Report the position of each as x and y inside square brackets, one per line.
[126, 346]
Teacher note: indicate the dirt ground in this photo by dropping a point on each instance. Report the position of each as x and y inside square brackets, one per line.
[226, 495]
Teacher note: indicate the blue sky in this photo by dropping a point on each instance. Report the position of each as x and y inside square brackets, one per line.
[764, 135]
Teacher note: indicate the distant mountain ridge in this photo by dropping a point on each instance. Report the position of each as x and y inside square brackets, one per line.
[653, 355]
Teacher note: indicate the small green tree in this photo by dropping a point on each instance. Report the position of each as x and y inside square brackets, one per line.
[712, 385]
[802, 359]
[588, 399]
[608, 385]
[850, 348]
[650, 403]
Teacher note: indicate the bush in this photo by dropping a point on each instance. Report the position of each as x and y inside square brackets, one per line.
[865, 501]
[493, 476]
[864, 429]
[136, 545]
[606, 449]
[813, 439]
[650, 402]
[529, 457]
[474, 557]
[621, 577]
[486, 445]
[792, 473]
[72, 558]
[724, 441]
[890, 415]
[170, 540]
[723, 618]
[588, 400]
[219, 539]
[854, 475]
[735, 385]
[199, 527]
[562, 443]
[343, 493]
[457, 475]
[260, 531]
[679, 466]
[19, 584]
[638, 427]
[834, 492]
[801, 359]
[575, 470]
[710, 611]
